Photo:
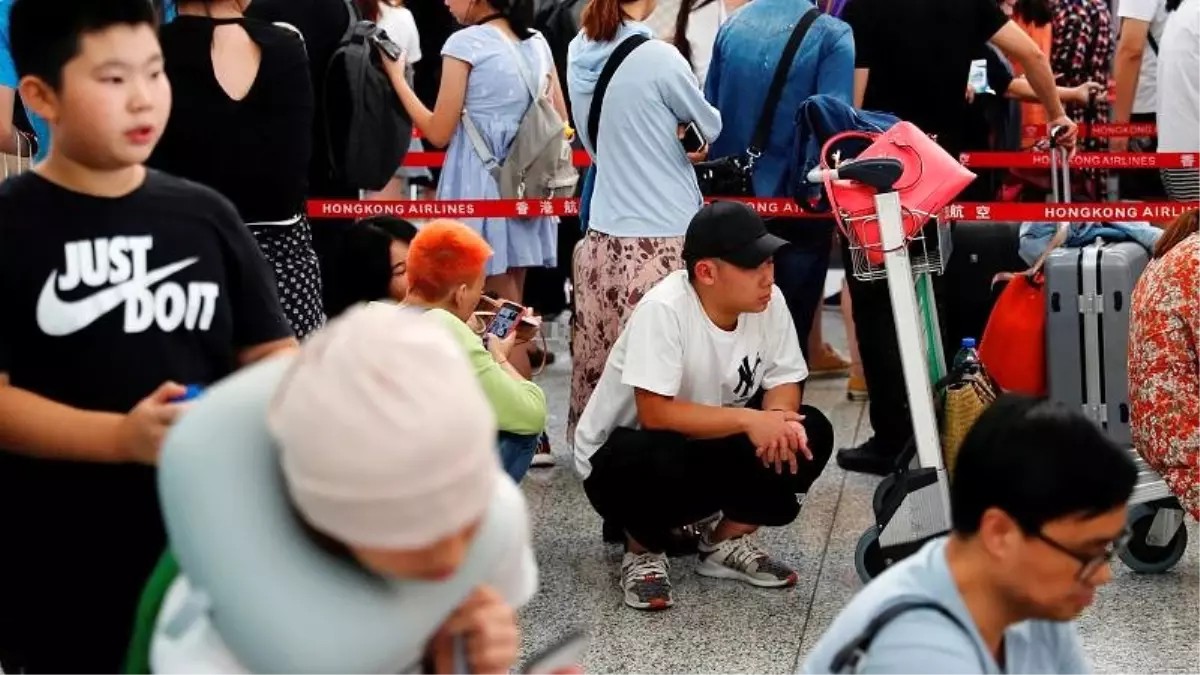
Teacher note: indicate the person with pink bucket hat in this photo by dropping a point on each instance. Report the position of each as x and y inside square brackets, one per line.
[387, 450]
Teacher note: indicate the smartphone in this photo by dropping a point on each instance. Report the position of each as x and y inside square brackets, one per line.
[565, 653]
[692, 140]
[380, 39]
[505, 320]
[193, 392]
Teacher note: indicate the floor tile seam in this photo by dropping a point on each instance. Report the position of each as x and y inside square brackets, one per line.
[825, 550]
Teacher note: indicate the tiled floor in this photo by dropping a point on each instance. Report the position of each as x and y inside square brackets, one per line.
[1139, 624]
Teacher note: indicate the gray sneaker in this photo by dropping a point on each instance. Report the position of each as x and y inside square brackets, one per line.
[644, 580]
[742, 559]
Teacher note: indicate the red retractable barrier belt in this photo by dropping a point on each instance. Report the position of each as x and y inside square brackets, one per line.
[1098, 130]
[1074, 213]
[437, 158]
[968, 211]
[1083, 160]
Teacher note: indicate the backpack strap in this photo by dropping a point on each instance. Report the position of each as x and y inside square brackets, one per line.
[610, 68]
[473, 134]
[850, 657]
[355, 17]
[762, 131]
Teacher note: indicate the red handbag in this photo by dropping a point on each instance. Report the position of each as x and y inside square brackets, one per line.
[932, 178]
[1013, 349]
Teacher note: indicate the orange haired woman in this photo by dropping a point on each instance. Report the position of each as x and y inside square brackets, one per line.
[447, 266]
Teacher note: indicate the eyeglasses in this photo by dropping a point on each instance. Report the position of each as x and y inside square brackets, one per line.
[1090, 563]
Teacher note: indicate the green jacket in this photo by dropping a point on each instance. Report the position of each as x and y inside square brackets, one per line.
[520, 406]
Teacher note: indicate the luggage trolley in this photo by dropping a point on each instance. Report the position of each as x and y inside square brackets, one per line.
[913, 504]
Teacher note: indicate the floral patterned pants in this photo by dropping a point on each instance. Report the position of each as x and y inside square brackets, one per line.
[611, 275]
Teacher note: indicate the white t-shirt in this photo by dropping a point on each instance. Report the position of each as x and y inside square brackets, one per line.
[1179, 79]
[401, 28]
[670, 347]
[1153, 12]
[200, 648]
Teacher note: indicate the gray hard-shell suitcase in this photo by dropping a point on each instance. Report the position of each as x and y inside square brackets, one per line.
[1088, 291]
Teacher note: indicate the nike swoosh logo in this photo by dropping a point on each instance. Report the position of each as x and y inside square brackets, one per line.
[58, 318]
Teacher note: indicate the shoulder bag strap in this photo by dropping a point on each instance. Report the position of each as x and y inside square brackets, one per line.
[762, 131]
[849, 658]
[614, 61]
[473, 134]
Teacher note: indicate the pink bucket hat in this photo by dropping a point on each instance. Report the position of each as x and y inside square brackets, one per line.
[385, 436]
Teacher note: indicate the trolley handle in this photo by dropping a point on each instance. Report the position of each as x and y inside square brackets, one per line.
[880, 173]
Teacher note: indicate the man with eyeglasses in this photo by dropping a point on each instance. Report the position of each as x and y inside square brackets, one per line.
[1038, 511]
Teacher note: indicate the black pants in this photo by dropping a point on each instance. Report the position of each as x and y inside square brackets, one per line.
[653, 481]
[880, 353]
[800, 269]
[1142, 184]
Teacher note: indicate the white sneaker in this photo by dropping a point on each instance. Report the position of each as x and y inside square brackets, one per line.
[645, 582]
[742, 559]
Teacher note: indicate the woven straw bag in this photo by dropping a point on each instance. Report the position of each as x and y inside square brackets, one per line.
[964, 401]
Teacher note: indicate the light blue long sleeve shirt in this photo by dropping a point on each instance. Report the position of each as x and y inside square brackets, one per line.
[645, 186]
[743, 63]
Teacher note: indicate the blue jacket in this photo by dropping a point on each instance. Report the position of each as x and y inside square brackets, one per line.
[743, 63]
[644, 184]
[817, 120]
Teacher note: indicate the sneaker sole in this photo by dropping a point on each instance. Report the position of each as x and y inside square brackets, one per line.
[715, 571]
[542, 460]
[652, 606]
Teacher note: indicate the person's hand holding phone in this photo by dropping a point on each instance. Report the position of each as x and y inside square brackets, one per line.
[393, 69]
[694, 144]
[501, 347]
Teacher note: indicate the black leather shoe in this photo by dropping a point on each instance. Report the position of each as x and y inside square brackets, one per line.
[870, 457]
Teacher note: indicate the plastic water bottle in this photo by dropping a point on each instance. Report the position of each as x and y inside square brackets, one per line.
[967, 360]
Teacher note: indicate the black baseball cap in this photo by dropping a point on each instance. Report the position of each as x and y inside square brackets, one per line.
[730, 231]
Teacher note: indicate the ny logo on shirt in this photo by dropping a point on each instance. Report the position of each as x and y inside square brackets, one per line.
[746, 374]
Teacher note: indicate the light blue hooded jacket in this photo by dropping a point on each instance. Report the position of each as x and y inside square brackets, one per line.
[645, 186]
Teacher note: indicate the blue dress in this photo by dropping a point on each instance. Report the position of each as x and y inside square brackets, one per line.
[496, 100]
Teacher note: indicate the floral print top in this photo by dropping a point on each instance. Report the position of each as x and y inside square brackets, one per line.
[1082, 48]
[1164, 369]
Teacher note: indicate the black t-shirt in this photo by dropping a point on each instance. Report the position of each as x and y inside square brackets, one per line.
[322, 23]
[254, 151]
[919, 53]
[103, 300]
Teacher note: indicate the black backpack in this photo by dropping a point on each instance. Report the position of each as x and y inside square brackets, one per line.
[367, 129]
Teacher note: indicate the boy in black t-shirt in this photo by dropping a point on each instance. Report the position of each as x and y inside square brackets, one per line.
[117, 286]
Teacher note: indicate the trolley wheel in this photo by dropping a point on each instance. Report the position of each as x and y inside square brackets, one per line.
[868, 557]
[1140, 556]
[881, 492]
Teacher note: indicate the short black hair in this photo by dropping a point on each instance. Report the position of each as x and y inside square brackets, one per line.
[397, 229]
[1037, 461]
[43, 36]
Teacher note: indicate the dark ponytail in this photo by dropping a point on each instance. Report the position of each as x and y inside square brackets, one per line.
[518, 13]
[1183, 227]
[601, 19]
[682, 19]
